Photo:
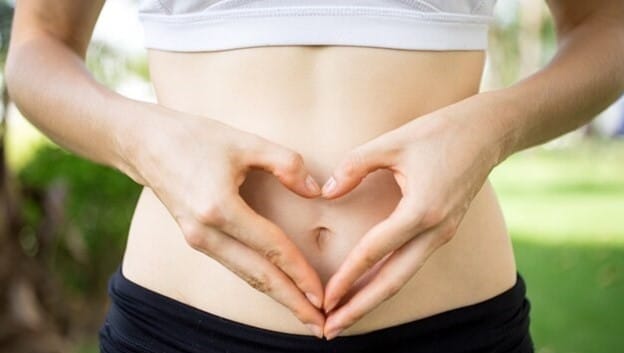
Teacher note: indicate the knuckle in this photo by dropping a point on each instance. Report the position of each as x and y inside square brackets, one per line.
[293, 161]
[411, 212]
[212, 213]
[194, 235]
[274, 255]
[260, 282]
[300, 312]
[369, 260]
[213, 242]
[391, 289]
[354, 317]
[353, 162]
[431, 216]
[304, 312]
[447, 232]
[411, 222]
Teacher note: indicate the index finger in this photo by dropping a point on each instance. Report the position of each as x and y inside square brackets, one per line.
[246, 225]
[257, 272]
[391, 276]
[403, 224]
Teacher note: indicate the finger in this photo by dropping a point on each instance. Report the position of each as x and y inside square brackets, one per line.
[262, 235]
[358, 163]
[360, 282]
[257, 271]
[403, 224]
[288, 166]
[396, 271]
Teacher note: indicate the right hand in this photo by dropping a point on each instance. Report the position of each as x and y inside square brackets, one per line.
[195, 166]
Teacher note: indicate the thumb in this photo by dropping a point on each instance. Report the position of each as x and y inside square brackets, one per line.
[288, 166]
[353, 168]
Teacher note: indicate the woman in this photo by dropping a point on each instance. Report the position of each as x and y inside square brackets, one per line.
[232, 246]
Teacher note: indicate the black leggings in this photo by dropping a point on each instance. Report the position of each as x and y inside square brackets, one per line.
[141, 320]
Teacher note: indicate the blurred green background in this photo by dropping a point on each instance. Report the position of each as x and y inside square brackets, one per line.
[65, 219]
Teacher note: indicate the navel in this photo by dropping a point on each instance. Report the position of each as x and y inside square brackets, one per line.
[321, 234]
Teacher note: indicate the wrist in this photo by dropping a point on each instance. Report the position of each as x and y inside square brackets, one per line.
[131, 137]
[487, 119]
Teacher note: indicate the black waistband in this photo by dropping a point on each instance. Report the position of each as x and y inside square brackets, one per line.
[156, 323]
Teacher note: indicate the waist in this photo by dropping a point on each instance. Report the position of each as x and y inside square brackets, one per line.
[142, 320]
[320, 102]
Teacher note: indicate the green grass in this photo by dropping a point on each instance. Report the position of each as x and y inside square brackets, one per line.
[576, 294]
[565, 211]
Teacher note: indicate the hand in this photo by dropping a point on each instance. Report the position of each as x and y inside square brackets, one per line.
[440, 165]
[195, 166]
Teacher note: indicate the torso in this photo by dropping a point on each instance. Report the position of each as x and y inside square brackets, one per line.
[321, 102]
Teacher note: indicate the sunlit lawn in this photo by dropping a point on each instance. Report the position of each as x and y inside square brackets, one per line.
[565, 210]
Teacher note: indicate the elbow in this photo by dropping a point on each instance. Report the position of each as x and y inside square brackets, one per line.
[617, 56]
[19, 74]
[12, 70]
[15, 65]
[23, 57]
[604, 27]
[615, 31]
[16, 75]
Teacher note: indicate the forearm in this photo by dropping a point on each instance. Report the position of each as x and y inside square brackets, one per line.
[51, 86]
[583, 78]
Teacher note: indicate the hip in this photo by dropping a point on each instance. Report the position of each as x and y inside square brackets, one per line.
[142, 321]
[320, 102]
[477, 264]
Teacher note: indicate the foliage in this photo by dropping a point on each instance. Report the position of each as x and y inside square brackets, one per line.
[6, 14]
[521, 27]
[111, 67]
[98, 209]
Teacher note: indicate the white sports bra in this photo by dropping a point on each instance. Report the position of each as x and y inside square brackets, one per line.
[208, 25]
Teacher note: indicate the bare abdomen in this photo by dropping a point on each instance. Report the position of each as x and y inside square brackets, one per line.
[320, 102]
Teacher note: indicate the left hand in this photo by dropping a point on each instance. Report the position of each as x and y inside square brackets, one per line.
[440, 165]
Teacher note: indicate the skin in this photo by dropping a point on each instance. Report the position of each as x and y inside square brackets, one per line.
[572, 90]
[438, 216]
[314, 115]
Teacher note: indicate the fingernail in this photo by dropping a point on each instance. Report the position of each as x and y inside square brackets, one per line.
[329, 186]
[330, 307]
[312, 185]
[316, 330]
[333, 333]
[314, 300]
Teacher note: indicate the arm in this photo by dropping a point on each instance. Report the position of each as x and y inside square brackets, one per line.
[458, 145]
[49, 83]
[584, 77]
[47, 78]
